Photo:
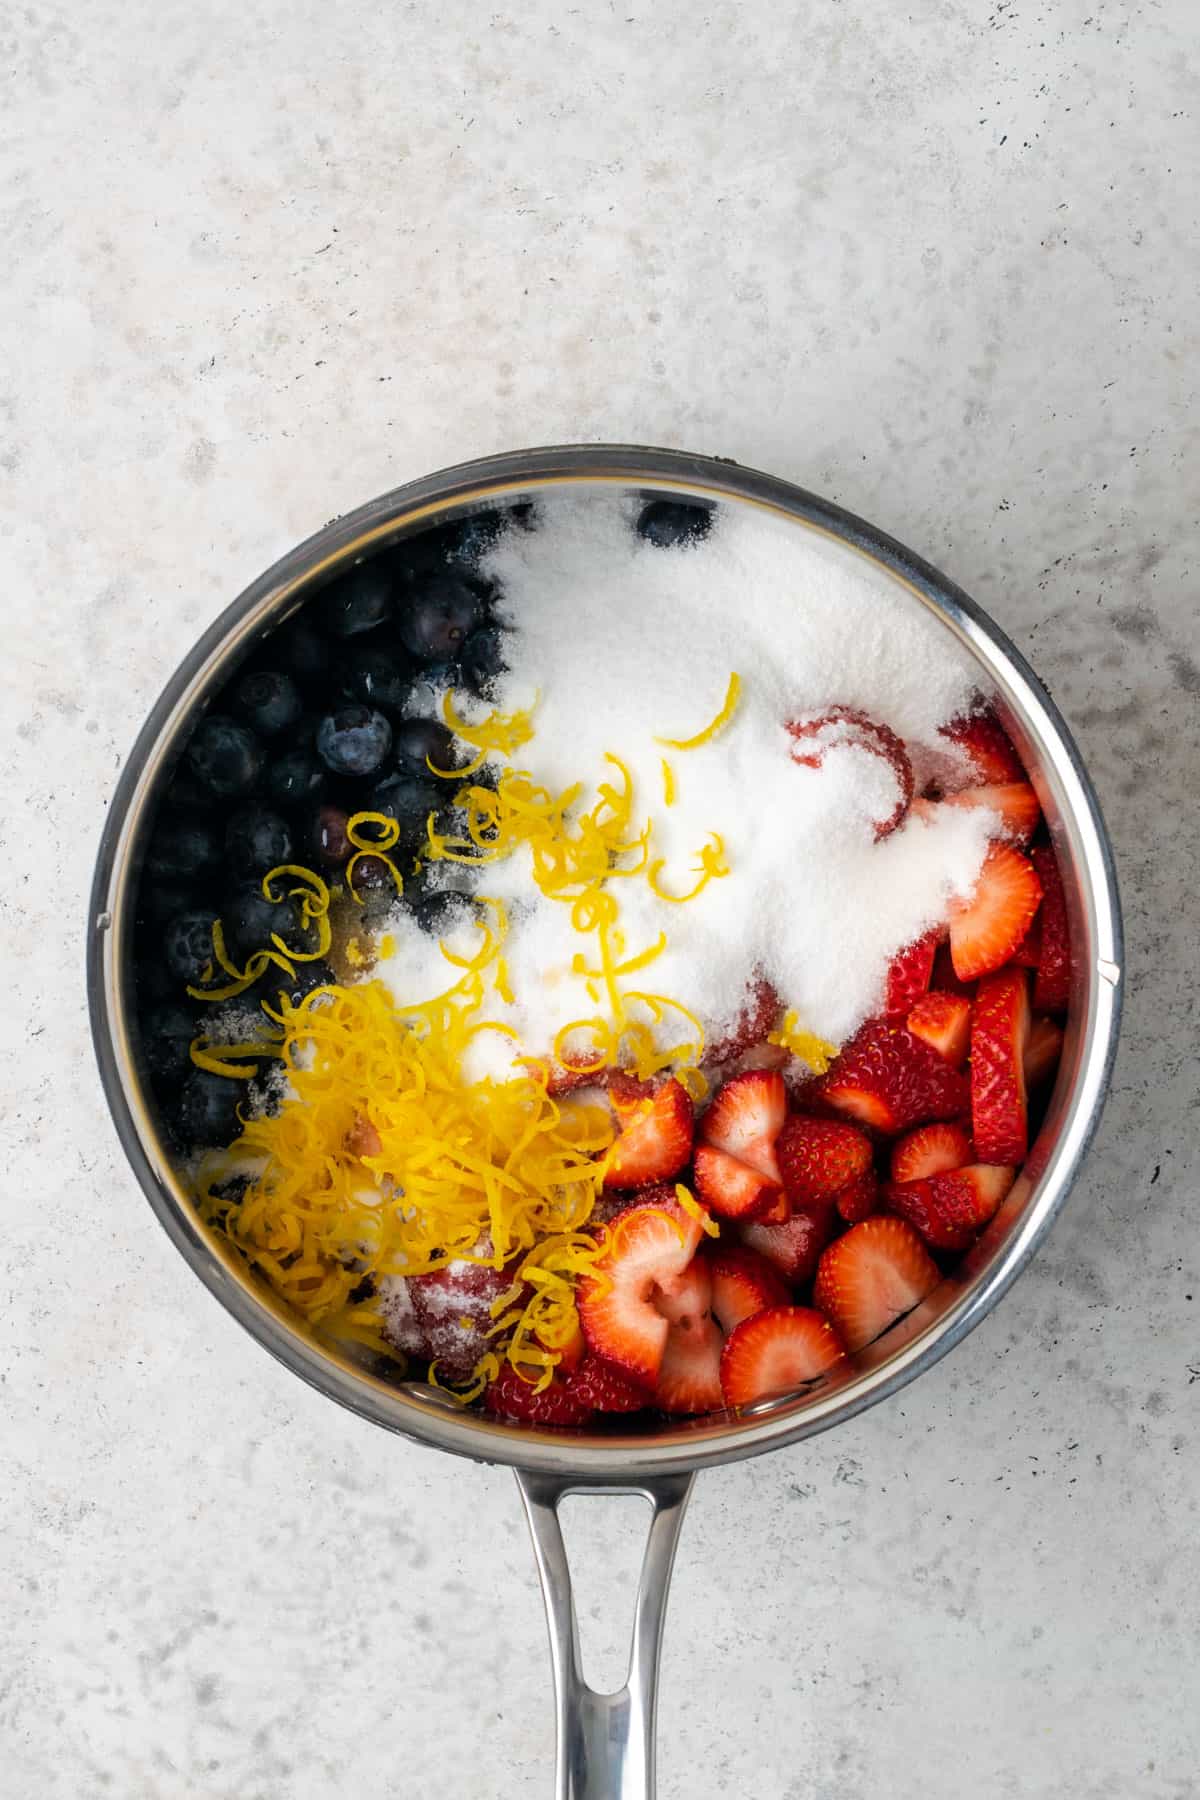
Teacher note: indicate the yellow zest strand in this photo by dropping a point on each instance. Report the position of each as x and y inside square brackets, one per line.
[373, 834]
[806, 1045]
[225, 1059]
[668, 780]
[714, 725]
[712, 866]
[694, 1210]
[498, 734]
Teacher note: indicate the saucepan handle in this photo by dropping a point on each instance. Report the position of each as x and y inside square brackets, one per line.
[605, 1741]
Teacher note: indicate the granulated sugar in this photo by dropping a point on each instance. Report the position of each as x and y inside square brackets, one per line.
[617, 644]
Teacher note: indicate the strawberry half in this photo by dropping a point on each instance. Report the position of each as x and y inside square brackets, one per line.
[819, 1157]
[1043, 1050]
[871, 1277]
[908, 975]
[793, 1247]
[776, 1352]
[1029, 951]
[655, 1140]
[732, 1189]
[949, 1209]
[888, 1080]
[987, 928]
[746, 1116]
[999, 1037]
[743, 1283]
[512, 1398]
[930, 1150]
[1052, 988]
[759, 1014]
[603, 1387]
[860, 1199]
[837, 726]
[689, 1380]
[453, 1306]
[645, 1250]
[944, 1022]
[1014, 801]
[987, 746]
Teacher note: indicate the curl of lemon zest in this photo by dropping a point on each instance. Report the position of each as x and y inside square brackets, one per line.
[668, 781]
[714, 725]
[712, 867]
[694, 1210]
[811, 1049]
[226, 1059]
[500, 733]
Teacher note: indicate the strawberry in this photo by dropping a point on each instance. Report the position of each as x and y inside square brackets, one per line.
[1029, 951]
[453, 1306]
[793, 1247]
[929, 1150]
[944, 1021]
[949, 1209]
[745, 1118]
[687, 1296]
[944, 980]
[604, 1387]
[570, 1354]
[987, 928]
[689, 1380]
[888, 1079]
[871, 1277]
[743, 1284]
[1042, 1051]
[729, 1188]
[999, 1037]
[1014, 801]
[759, 1014]
[511, 1397]
[655, 1140]
[1052, 988]
[818, 1157]
[908, 975]
[399, 1321]
[860, 1198]
[644, 1249]
[987, 747]
[776, 1352]
[816, 733]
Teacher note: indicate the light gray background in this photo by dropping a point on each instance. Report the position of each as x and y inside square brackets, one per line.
[264, 260]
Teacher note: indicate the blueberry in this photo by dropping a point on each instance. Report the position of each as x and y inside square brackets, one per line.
[257, 840]
[436, 913]
[328, 836]
[248, 920]
[309, 975]
[299, 648]
[482, 656]
[671, 523]
[188, 946]
[438, 618]
[294, 778]
[268, 701]
[186, 795]
[225, 756]
[183, 847]
[359, 602]
[155, 983]
[208, 1109]
[354, 740]
[417, 740]
[158, 901]
[372, 881]
[467, 540]
[167, 1033]
[373, 677]
[408, 799]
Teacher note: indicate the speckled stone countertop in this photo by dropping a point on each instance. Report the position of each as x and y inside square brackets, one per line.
[938, 262]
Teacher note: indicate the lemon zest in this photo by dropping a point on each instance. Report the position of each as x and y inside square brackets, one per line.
[714, 725]
[500, 733]
[694, 1210]
[811, 1049]
[668, 781]
[226, 1059]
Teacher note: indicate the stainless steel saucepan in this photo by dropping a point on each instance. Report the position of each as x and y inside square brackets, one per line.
[606, 1741]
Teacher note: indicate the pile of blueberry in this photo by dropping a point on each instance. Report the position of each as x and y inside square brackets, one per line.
[316, 726]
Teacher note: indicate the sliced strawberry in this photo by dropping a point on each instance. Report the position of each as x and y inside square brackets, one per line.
[943, 1021]
[759, 1014]
[645, 1249]
[888, 1079]
[776, 1352]
[655, 1140]
[794, 1246]
[743, 1283]
[987, 928]
[1029, 951]
[999, 1037]
[949, 1209]
[606, 1388]
[729, 1188]
[838, 726]
[871, 1277]
[987, 746]
[819, 1157]
[689, 1380]
[908, 975]
[860, 1198]
[511, 1397]
[1014, 801]
[745, 1117]
[400, 1324]
[945, 981]
[930, 1150]
[1043, 1051]
[453, 1306]
[686, 1297]
[1052, 988]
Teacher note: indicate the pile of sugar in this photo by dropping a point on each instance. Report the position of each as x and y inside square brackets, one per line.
[618, 643]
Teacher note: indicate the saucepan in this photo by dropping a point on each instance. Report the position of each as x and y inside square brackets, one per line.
[606, 1741]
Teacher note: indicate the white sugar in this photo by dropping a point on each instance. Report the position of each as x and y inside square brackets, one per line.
[622, 643]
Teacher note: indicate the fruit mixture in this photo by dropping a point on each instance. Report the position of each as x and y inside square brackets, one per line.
[602, 959]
